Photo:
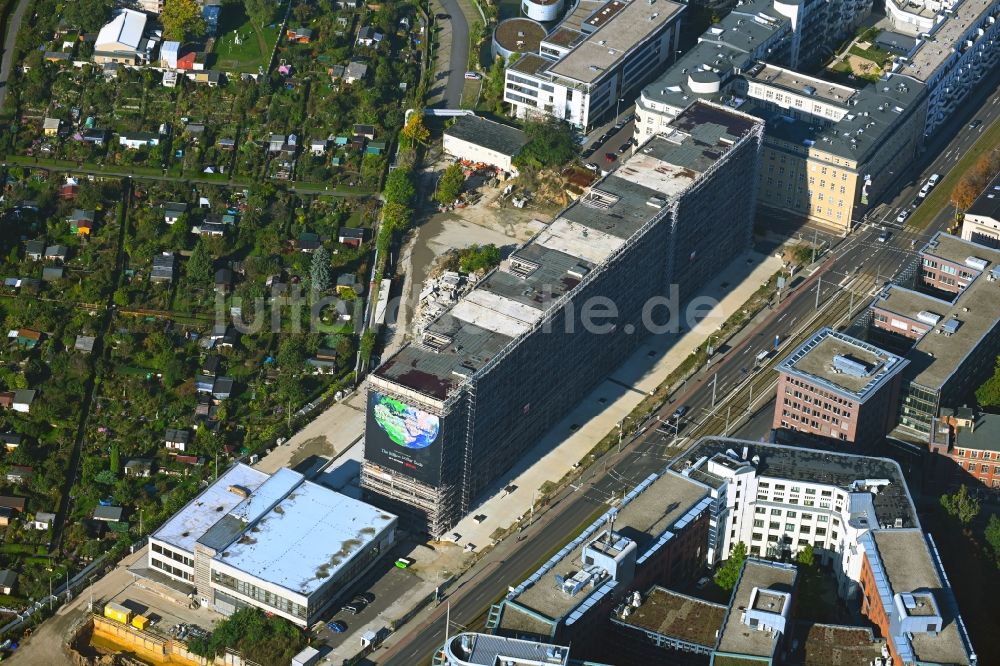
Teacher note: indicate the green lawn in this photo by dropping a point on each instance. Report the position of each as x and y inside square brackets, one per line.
[940, 196]
[255, 45]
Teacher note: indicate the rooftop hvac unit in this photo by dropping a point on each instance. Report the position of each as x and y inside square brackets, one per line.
[928, 317]
[977, 263]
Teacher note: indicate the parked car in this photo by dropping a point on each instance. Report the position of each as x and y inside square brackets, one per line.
[903, 214]
[355, 606]
[337, 626]
[593, 166]
[473, 76]
[405, 562]
[365, 597]
[624, 147]
[620, 124]
[442, 17]
[587, 153]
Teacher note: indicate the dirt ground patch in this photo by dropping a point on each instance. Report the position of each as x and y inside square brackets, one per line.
[317, 446]
[863, 67]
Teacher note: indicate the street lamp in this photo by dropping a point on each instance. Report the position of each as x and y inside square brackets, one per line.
[620, 100]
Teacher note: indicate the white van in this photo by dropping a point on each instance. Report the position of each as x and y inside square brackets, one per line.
[931, 182]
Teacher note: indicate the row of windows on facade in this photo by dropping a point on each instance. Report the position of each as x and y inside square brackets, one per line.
[265, 597]
[812, 166]
[833, 420]
[977, 453]
[824, 394]
[947, 268]
[817, 110]
[983, 468]
[761, 511]
[816, 402]
[174, 555]
[762, 497]
[940, 279]
[780, 488]
[805, 529]
[815, 426]
[170, 569]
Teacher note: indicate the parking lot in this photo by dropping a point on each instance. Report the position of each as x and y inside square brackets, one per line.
[605, 150]
[393, 592]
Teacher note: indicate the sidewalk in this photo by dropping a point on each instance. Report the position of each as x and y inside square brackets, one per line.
[604, 408]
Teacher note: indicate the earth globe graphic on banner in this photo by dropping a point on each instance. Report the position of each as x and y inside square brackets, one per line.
[406, 426]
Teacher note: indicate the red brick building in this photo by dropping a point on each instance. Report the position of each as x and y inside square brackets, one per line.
[905, 595]
[968, 446]
[838, 387]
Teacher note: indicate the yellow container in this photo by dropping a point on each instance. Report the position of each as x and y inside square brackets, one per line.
[140, 621]
[117, 612]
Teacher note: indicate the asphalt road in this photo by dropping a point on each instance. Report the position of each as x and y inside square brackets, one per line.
[860, 262]
[13, 25]
[459, 59]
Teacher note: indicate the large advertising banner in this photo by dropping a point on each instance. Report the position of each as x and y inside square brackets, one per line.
[403, 438]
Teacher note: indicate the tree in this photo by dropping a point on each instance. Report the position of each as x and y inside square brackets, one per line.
[727, 574]
[261, 12]
[182, 20]
[292, 353]
[450, 184]
[396, 216]
[414, 129]
[992, 535]
[964, 194]
[271, 641]
[319, 269]
[367, 344]
[478, 258]
[550, 144]
[961, 505]
[199, 265]
[988, 393]
[806, 556]
[399, 188]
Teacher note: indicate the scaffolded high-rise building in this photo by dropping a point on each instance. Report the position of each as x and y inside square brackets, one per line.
[452, 411]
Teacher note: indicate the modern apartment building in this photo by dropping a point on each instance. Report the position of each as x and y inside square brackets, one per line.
[658, 534]
[906, 594]
[857, 514]
[667, 627]
[830, 150]
[475, 649]
[852, 510]
[276, 542]
[789, 34]
[956, 46]
[454, 410]
[839, 387]
[981, 223]
[580, 73]
[945, 322]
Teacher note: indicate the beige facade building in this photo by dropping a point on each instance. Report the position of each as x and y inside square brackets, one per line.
[982, 221]
[831, 151]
